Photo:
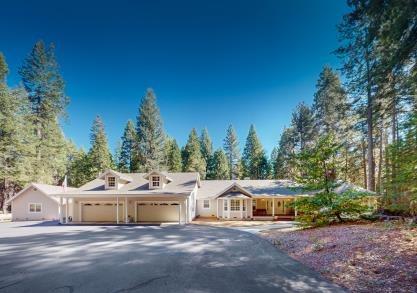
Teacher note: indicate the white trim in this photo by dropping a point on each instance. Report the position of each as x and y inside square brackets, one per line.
[234, 184]
[35, 203]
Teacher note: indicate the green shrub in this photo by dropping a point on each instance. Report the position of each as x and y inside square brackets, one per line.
[326, 208]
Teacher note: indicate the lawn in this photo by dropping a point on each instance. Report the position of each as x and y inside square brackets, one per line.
[377, 257]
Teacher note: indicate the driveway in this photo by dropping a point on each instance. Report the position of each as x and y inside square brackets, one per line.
[37, 257]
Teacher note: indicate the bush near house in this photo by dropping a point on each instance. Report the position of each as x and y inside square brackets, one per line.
[325, 208]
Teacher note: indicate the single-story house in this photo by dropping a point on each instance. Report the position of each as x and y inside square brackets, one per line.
[115, 197]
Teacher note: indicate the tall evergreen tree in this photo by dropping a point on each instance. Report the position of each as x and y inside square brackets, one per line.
[206, 147]
[253, 155]
[330, 102]
[303, 124]
[15, 138]
[173, 156]
[78, 168]
[231, 148]
[45, 88]
[284, 163]
[150, 134]
[193, 160]
[127, 161]
[99, 156]
[219, 166]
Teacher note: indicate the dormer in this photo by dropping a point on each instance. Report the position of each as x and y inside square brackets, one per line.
[157, 180]
[114, 180]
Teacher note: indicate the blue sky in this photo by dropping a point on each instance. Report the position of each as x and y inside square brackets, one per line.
[211, 63]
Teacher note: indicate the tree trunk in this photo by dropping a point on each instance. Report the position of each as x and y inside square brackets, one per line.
[370, 135]
[365, 177]
[381, 158]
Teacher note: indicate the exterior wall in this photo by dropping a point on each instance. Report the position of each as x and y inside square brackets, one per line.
[20, 206]
[210, 212]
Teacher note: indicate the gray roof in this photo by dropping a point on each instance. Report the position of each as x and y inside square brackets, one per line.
[182, 183]
[48, 190]
[264, 188]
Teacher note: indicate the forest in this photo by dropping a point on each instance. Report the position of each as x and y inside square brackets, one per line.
[367, 109]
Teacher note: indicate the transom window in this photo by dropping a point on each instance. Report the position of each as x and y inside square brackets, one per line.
[35, 208]
[235, 205]
[111, 181]
[155, 181]
[206, 204]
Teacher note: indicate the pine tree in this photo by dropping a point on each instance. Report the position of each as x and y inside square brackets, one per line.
[150, 134]
[284, 163]
[219, 166]
[127, 161]
[231, 148]
[173, 156]
[330, 102]
[303, 124]
[78, 168]
[193, 161]
[15, 141]
[206, 147]
[99, 156]
[45, 88]
[252, 156]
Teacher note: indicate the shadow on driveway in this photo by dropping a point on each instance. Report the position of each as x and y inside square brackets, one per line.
[59, 258]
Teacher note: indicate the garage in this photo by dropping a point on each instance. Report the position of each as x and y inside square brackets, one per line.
[158, 211]
[101, 212]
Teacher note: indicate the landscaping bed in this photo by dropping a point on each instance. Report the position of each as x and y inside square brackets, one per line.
[376, 257]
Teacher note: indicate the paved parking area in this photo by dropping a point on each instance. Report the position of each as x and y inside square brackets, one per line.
[42, 257]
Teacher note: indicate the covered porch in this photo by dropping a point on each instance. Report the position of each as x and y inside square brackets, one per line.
[244, 207]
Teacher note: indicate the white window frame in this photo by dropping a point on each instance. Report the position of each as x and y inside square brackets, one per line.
[224, 205]
[113, 182]
[35, 211]
[204, 204]
[235, 205]
[156, 181]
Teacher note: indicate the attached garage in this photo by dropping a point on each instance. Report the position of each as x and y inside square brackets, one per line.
[101, 212]
[158, 211]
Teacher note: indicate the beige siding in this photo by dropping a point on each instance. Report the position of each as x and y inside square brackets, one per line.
[210, 212]
[20, 206]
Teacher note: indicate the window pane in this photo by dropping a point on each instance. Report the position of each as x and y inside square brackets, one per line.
[225, 205]
[206, 204]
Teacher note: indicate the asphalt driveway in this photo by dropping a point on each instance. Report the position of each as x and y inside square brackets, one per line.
[37, 257]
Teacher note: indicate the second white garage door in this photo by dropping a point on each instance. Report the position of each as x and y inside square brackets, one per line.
[158, 212]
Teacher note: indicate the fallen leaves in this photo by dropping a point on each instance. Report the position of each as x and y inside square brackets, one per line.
[361, 257]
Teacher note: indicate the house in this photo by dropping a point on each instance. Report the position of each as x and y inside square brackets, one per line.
[36, 202]
[157, 197]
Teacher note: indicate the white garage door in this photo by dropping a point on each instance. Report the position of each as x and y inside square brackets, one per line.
[101, 212]
[158, 212]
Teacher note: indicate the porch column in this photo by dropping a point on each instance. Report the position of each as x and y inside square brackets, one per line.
[126, 220]
[186, 211]
[66, 211]
[80, 211]
[228, 208]
[117, 209]
[60, 210]
[217, 210]
[273, 207]
[246, 210]
[136, 212]
[179, 213]
[241, 208]
[295, 211]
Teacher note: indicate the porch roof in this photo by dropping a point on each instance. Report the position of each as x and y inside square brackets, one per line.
[234, 194]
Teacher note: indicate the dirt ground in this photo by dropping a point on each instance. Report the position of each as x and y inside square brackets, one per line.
[376, 257]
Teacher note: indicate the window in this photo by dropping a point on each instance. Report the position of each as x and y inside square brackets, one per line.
[225, 204]
[206, 204]
[35, 208]
[155, 181]
[235, 205]
[111, 181]
[244, 205]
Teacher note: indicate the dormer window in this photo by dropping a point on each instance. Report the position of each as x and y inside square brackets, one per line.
[156, 181]
[111, 181]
